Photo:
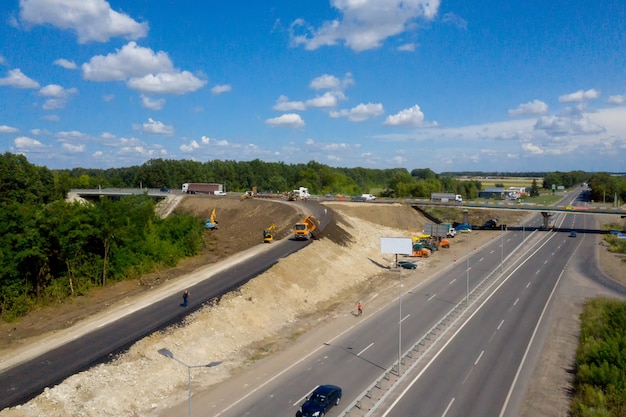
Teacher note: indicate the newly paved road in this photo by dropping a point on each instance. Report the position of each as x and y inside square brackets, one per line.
[23, 381]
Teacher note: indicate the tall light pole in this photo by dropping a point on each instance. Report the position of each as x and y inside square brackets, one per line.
[400, 317]
[167, 353]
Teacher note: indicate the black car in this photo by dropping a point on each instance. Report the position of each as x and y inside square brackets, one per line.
[407, 264]
[359, 198]
[322, 399]
[572, 234]
[165, 190]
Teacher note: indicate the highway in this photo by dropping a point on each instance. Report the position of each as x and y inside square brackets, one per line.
[474, 373]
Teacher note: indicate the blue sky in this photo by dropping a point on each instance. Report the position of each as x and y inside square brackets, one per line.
[448, 85]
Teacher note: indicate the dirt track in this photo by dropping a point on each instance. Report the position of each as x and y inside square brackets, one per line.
[249, 323]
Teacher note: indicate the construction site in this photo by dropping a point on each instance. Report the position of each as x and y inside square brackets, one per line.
[256, 321]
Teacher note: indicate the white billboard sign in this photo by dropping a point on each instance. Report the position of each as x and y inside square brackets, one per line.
[396, 245]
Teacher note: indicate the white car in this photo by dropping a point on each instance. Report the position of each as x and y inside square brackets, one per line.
[369, 197]
[219, 192]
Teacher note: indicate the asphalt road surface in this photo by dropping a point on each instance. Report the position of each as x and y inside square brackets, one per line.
[22, 382]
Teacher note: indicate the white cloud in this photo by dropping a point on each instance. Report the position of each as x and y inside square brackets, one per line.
[326, 82]
[71, 148]
[17, 79]
[58, 96]
[565, 125]
[532, 108]
[157, 128]
[618, 99]
[51, 118]
[533, 149]
[283, 104]
[130, 61]
[108, 97]
[411, 117]
[222, 88]
[360, 112]
[330, 82]
[363, 24]
[91, 20]
[152, 104]
[580, 96]
[24, 143]
[8, 129]
[407, 47]
[192, 146]
[167, 83]
[65, 64]
[327, 100]
[289, 120]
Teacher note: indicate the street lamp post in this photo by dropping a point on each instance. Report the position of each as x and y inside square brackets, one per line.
[167, 353]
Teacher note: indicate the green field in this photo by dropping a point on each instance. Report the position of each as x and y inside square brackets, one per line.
[506, 182]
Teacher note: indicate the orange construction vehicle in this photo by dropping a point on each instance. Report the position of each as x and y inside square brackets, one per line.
[304, 230]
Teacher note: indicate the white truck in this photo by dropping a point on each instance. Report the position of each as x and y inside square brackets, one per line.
[446, 197]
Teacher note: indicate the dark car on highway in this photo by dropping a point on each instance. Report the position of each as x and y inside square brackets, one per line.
[359, 198]
[322, 399]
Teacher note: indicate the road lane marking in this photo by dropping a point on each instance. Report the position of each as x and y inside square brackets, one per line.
[500, 325]
[405, 317]
[368, 346]
[538, 271]
[528, 285]
[447, 408]
[481, 259]
[452, 282]
[515, 303]
[431, 297]
[479, 356]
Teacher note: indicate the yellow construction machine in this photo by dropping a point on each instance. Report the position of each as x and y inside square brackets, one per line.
[304, 230]
[268, 234]
[211, 223]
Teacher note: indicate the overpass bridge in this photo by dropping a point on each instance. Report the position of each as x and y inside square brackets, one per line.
[96, 193]
[546, 211]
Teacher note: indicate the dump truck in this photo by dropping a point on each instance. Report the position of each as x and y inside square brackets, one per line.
[420, 251]
[268, 234]
[304, 230]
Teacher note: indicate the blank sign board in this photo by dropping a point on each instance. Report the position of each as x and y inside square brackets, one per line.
[396, 245]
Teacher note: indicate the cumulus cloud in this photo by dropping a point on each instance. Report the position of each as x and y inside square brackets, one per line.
[190, 147]
[327, 100]
[533, 149]
[411, 117]
[65, 64]
[288, 120]
[91, 20]
[580, 96]
[71, 148]
[363, 24]
[24, 143]
[219, 89]
[618, 99]
[532, 108]
[145, 70]
[8, 129]
[331, 82]
[16, 78]
[152, 104]
[130, 61]
[283, 104]
[360, 112]
[166, 83]
[58, 96]
[155, 127]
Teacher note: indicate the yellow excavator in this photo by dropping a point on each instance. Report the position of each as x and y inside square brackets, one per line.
[268, 234]
[211, 223]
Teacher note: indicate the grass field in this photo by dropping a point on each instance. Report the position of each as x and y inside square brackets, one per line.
[506, 182]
